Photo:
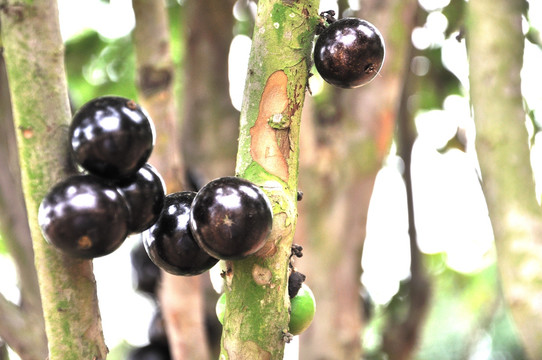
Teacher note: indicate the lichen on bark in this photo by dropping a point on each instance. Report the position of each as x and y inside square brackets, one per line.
[256, 315]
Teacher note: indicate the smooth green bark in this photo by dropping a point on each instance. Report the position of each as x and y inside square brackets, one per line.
[495, 44]
[35, 63]
[256, 316]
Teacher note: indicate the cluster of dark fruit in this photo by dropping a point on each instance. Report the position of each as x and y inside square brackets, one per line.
[349, 52]
[185, 233]
[227, 219]
[118, 193]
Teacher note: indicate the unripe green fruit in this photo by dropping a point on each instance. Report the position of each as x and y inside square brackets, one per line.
[220, 308]
[303, 307]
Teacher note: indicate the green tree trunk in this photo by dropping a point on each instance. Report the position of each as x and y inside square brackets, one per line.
[256, 315]
[35, 65]
[495, 47]
[27, 317]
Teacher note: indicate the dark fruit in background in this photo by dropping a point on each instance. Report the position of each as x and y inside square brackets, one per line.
[144, 193]
[84, 216]
[169, 242]
[111, 137]
[145, 273]
[157, 329]
[295, 281]
[150, 352]
[349, 53]
[231, 218]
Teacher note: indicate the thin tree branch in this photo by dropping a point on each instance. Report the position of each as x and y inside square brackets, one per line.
[19, 330]
[402, 335]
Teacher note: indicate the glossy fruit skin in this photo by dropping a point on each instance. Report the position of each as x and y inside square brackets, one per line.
[349, 53]
[84, 217]
[144, 192]
[145, 273]
[231, 218]
[112, 137]
[153, 351]
[303, 307]
[169, 242]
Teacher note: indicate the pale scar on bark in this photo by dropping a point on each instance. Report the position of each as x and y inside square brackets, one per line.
[261, 275]
[264, 145]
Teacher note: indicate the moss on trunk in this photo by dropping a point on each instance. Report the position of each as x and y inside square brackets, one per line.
[35, 63]
[256, 316]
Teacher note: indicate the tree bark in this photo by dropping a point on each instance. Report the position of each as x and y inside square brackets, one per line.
[28, 316]
[35, 65]
[495, 47]
[343, 149]
[402, 335]
[180, 297]
[256, 314]
[210, 122]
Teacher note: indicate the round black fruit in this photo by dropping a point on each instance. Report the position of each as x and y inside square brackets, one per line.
[349, 53]
[150, 352]
[145, 273]
[84, 217]
[157, 329]
[144, 193]
[112, 137]
[231, 218]
[169, 242]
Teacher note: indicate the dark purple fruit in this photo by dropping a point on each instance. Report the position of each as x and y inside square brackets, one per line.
[111, 137]
[295, 280]
[144, 193]
[150, 352]
[84, 217]
[157, 329]
[145, 274]
[349, 53]
[169, 242]
[231, 218]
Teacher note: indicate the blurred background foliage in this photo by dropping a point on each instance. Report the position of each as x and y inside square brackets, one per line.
[467, 318]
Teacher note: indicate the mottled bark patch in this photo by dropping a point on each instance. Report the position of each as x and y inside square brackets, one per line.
[264, 147]
[247, 351]
[261, 275]
[153, 80]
